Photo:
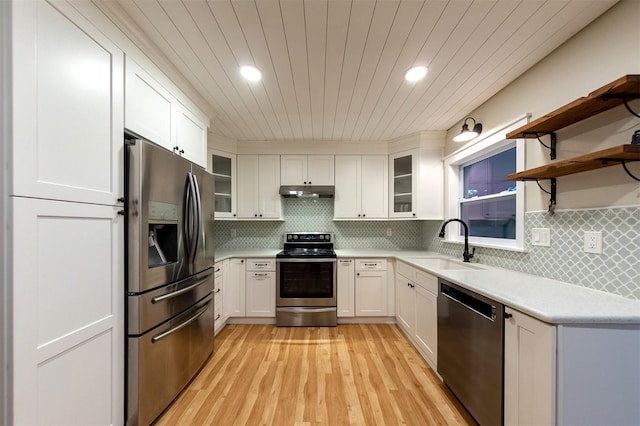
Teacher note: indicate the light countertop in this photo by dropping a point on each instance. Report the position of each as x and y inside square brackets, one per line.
[549, 300]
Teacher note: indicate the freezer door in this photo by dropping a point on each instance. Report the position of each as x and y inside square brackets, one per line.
[146, 310]
[157, 182]
[162, 361]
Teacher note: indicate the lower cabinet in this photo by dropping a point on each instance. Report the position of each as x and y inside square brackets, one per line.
[371, 298]
[346, 287]
[417, 293]
[261, 288]
[570, 373]
[529, 370]
[218, 296]
[68, 313]
[234, 290]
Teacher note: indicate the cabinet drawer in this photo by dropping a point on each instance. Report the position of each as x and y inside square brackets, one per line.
[261, 275]
[261, 264]
[406, 271]
[371, 264]
[427, 281]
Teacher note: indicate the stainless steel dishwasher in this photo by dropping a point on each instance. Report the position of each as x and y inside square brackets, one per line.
[470, 350]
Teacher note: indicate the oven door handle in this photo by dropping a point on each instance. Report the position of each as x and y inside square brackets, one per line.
[306, 309]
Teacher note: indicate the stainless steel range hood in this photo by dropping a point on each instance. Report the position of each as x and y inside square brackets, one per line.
[293, 191]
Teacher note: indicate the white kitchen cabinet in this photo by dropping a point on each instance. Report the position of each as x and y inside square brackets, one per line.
[67, 107]
[570, 373]
[417, 293]
[361, 186]
[234, 291]
[191, 135]
[345, 277]
[153, 112]
[426, 331]
[529, 370]
[371, 288]
[68, 313]
[223, 167]
[218, 296]
[307, 170]
[261, 288]
[259, 186]
[66, 268]
[416, 184]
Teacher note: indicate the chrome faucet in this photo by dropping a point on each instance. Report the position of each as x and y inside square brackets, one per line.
[466, 255]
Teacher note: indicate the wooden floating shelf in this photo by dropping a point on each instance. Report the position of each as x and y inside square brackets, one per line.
[581, 108]
[593, 160]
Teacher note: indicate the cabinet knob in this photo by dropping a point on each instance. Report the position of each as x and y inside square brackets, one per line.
[507, 315]
[358, 215]
[182, 151]
[234, 215]
[260, 215]
[414, 215]
[175, 148]
[309, 182]
[363, 215]
[358, 273]
[305, 182]
[255, 215]
[242, 261]
[120, 200]
[121, 212]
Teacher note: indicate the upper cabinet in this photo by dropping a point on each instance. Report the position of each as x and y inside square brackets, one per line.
[307, 170]
[259, 186]
[416, 184]
[68, 108]
[154, 113]
[223, 167]
[362, 186]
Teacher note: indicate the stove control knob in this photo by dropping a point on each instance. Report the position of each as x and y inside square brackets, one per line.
[295, 237]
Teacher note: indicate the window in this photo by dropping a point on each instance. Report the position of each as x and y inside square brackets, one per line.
[479, 193]
[488, 202]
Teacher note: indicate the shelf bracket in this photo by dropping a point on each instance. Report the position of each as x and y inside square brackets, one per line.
[552, 142]
[552, 192]
[626, 97]
[624, 165]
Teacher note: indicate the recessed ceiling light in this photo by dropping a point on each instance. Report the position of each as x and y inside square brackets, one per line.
[250, 73]
[416, 73]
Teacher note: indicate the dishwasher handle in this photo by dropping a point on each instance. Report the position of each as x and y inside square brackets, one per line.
[470, 302]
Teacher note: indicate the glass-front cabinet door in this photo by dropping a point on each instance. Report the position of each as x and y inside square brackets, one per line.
[223, 167]
[403, 185]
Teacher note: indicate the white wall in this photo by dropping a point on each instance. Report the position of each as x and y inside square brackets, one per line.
[602, 52]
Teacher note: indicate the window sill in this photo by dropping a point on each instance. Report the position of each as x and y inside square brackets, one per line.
[512, 247]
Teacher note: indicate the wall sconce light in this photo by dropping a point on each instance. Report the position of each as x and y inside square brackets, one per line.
[466, 134]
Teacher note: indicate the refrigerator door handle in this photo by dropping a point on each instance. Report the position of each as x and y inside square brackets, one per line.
[198, 214]
[190, 223]
[179, 292]
[164, 334]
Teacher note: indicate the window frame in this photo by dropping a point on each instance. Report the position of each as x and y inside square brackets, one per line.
[490, 144]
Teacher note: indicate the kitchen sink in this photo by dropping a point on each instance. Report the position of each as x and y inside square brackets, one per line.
[440, 263]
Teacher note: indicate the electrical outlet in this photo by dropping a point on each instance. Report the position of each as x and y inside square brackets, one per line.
[593, 242]
[389, 232]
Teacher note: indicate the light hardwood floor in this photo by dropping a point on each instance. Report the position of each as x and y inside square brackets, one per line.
[358, 374]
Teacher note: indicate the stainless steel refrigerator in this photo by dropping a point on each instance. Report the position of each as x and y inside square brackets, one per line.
[169, 276]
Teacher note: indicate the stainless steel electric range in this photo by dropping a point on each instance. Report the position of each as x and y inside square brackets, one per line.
[306, 280]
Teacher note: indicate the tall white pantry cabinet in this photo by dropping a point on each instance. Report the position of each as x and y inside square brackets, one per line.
[66, 233]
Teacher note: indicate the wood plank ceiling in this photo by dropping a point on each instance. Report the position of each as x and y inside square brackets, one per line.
[333, 69]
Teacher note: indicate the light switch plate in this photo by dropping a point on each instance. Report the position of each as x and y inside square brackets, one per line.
[541, 237]
[593, 242]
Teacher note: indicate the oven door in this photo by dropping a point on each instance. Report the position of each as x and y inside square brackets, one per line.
[306, 282]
